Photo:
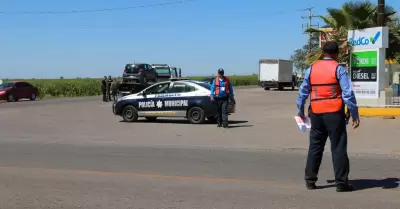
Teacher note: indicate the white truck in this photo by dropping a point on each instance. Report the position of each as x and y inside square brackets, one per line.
[276, 73]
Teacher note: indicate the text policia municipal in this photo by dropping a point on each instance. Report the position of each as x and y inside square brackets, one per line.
[160, 104]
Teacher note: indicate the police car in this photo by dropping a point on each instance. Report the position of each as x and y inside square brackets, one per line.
[185, 98]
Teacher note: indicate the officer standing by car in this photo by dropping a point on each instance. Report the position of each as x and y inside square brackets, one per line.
[327, 84]
[104, 88]
[221, 91]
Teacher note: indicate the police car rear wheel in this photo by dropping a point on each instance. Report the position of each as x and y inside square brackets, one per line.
[129, 114]
[196, 115]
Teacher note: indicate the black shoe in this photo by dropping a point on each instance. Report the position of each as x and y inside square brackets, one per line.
[225, 125]
[345, 188]
[219, 125]
[311, 186]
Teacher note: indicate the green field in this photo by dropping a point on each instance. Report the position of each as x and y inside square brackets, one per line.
[91, 86]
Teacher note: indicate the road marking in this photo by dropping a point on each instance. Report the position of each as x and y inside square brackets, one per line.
[193, 178]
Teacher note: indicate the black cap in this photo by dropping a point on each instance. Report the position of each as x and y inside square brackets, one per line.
[220, 71]
[331, 47]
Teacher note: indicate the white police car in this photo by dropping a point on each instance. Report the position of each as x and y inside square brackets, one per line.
[185, 98]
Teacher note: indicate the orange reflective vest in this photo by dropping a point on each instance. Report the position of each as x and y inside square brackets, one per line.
[217, 85]
[326, 94]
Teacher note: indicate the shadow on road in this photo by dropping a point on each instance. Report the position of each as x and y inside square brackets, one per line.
[239, 126]
[362, 184]
[183, 121]
[284, 90]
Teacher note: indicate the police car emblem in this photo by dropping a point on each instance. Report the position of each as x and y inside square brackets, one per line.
[159, 104]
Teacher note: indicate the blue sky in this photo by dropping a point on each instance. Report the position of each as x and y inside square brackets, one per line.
[198, 36]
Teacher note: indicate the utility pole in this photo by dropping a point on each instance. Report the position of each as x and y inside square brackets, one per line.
[381, 12]
[309, 25]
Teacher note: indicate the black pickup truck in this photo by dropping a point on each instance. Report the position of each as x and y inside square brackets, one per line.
[164, 72]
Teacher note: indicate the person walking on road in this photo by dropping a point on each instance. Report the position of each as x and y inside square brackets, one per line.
[221, 91]
[327, 84]
[104, 88]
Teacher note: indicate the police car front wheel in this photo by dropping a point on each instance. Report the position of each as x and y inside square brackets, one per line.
[129, 114]
[196, 115]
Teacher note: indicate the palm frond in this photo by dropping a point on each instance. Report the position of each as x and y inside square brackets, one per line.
[358, 14]
[338, 17]
[314, 56]
[313, 30]
[329, 21]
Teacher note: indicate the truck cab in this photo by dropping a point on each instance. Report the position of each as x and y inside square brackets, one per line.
[166, 72]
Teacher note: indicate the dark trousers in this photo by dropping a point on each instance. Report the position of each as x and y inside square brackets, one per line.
[222, 108]
[322, 126]
[108, 95]
[104, 95]
[114, 96]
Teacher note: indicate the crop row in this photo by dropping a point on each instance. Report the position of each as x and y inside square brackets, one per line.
[92, 87]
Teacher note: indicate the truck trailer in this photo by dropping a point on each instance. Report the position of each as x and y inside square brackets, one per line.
[276, 73]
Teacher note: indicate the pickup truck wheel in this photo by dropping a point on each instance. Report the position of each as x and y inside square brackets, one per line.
[195, 115]
[130, 114]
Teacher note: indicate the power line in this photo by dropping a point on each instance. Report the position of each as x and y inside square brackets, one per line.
[129, 26]
[310, 17]
[95, 10]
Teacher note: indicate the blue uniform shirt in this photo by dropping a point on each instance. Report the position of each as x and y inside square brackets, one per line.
[347, 92]
[222, 92]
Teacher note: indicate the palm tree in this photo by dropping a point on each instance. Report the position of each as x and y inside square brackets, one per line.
[354, 16]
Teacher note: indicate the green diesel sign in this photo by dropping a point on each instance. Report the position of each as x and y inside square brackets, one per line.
[364, 66]
[364, 59]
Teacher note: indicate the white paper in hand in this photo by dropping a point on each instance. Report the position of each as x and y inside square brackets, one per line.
[303, 124]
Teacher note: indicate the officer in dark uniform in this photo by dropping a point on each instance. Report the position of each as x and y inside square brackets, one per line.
[104, 88]
[114, 89]
[221, 91]
[109, 82]
[329, 88]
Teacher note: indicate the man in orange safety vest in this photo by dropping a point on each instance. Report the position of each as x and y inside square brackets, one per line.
[221, 91]
[329, 88]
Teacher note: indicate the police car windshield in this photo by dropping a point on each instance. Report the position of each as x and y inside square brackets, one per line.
[204, 85]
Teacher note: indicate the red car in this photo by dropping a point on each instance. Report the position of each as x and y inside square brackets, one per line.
[13, 91]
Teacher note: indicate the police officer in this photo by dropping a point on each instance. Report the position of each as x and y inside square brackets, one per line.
[104, 88]
[109, 82]
[221, 92]
[329, 88]
[114, 89]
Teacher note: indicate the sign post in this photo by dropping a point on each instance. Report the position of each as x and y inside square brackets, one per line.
[368, 61]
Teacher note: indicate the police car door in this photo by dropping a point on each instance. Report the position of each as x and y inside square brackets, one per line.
[151, 104]
[177, 100]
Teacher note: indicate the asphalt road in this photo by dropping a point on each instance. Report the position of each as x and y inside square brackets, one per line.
[76, 154]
